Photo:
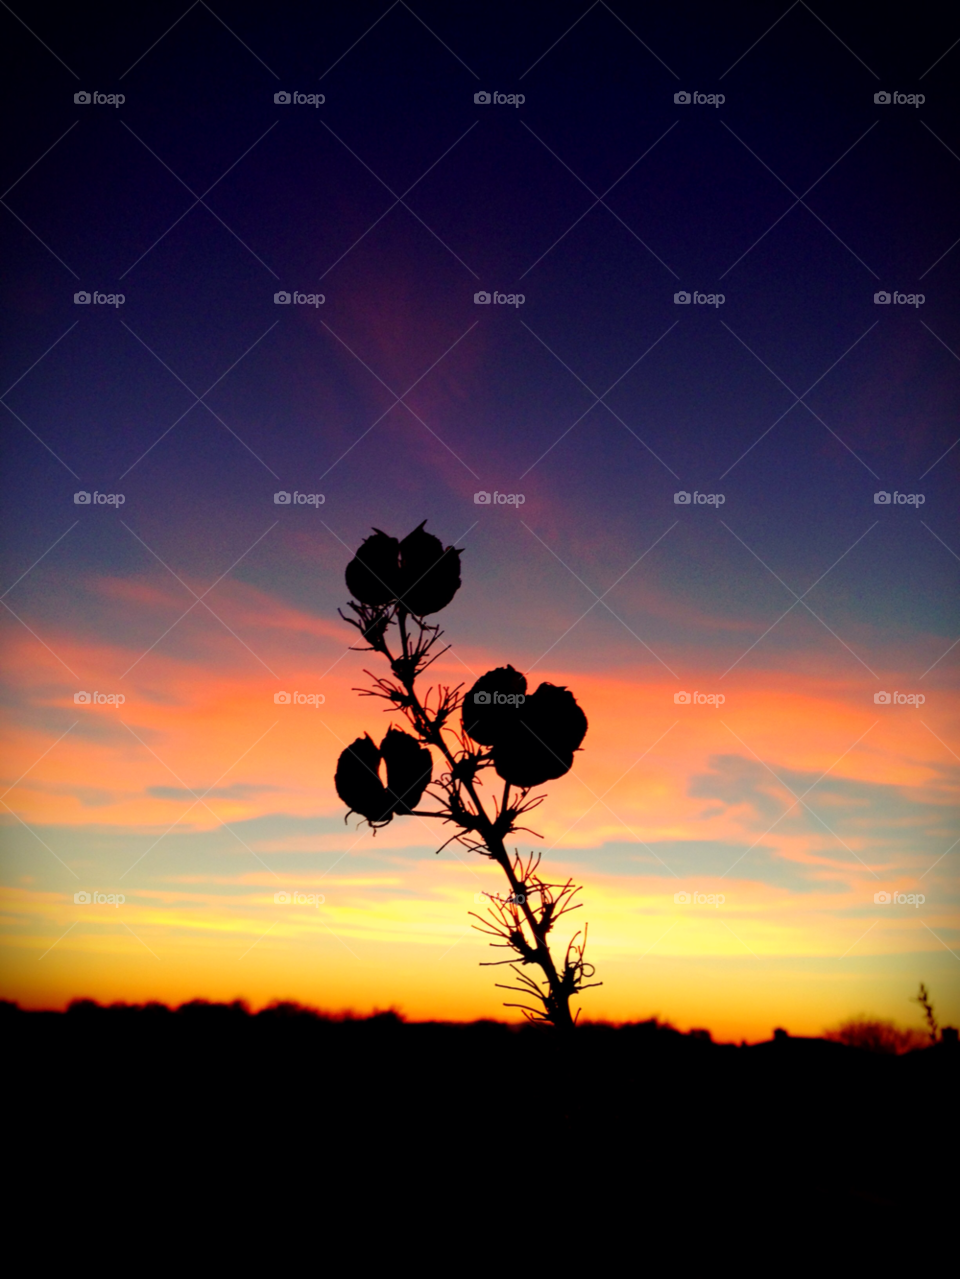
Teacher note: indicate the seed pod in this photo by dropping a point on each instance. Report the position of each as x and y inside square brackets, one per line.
[359, 785]
[373, 575]
[553, 714]
[539, 747]
[483, 717]
[429, 574]
[409, 769]
[525, 761]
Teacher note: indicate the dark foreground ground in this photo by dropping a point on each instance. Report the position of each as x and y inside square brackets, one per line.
[614, 1129]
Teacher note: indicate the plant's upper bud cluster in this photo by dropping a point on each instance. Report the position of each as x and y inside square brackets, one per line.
[533, 737]
[418, 572]
[409, 768]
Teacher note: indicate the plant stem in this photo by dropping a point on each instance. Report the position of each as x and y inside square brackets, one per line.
[558, 1001]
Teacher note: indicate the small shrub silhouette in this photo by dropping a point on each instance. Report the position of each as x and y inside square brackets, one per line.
[526, 739]
[876, 1035]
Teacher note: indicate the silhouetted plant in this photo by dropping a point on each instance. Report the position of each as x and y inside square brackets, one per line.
[525, 740]
[923, 999]
[876, 1035]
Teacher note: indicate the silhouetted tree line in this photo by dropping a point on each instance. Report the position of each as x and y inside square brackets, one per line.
[647, 1119]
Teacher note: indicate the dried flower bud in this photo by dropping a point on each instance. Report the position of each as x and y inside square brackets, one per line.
[409, 769]
[490, 707]
[429, 574]
[373, 574]
[419, 572]
[539, 745]
[359, 785]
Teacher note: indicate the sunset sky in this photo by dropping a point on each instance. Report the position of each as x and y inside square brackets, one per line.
[797, 798]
